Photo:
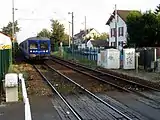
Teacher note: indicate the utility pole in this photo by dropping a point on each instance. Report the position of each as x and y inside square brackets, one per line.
[13, 18]
[72, 35]
[69, 36]
[85, 29]
[12, 50]
[85, 22]
[116, 36]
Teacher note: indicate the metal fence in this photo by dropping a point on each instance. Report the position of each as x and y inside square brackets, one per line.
[146, 57]
[81, 53]
[5, 59]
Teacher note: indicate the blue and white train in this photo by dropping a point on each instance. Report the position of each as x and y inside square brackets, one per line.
[36, 48]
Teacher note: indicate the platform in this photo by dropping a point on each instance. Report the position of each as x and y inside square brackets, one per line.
[41, 108]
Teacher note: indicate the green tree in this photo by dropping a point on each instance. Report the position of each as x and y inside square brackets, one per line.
[158, 30]
[65, 39]
[134, 28]
[157, 10]
[143, 29]
[103, 36]
[8, 29]
[44, 33]
[57, 31]
[150, 28]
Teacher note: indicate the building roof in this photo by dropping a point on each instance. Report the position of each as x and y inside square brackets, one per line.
[122, 13]
[100, 43]
[82, 33]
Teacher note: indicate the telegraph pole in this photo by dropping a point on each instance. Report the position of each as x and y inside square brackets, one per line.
[85, 29]
[116, 37]
[72, 35]
[13, 18]
[12, 49]
[85, 22]
[69, 36]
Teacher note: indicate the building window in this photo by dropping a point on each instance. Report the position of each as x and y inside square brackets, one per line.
[112, 44]
[113, 31]
[120, 31]
[120, 43]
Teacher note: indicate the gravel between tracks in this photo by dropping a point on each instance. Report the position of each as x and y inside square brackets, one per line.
[34, 82]
[91, 84]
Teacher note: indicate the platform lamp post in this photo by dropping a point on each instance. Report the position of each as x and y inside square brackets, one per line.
[12, 50]
[13, 31]
[72, 33]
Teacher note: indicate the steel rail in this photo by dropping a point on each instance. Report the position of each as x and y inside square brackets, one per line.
[108, 74]
[113, 108]
[113, 84]
[63, 99]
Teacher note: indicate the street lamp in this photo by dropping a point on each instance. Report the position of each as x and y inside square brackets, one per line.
[12, 49]
[72, 32]
[13, 31]
[13, 19]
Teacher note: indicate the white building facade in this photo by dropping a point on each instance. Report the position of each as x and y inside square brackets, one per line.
[82, 35]
[121, 28]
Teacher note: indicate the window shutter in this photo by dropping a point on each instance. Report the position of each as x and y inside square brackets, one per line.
[111, 32]
[114, 32]
[119, 30]
[122, 31]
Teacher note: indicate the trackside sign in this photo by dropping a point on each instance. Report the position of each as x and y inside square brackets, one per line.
[5, 42]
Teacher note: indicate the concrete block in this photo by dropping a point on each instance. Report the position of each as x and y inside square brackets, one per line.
[11, 87]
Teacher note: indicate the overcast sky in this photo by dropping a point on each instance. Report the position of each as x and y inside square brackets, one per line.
[33, 15]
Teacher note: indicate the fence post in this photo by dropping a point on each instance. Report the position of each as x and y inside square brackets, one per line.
[90, 53]
[137, 55]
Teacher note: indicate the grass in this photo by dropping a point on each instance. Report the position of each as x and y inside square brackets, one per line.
[66, 88]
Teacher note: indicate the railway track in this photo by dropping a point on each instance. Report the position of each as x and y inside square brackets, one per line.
[92, 106]
[120, 83]
[101, 74]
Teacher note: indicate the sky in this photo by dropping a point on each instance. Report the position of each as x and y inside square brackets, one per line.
[34, 15]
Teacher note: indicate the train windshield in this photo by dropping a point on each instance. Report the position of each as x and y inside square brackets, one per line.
[34, 45]
[44, 45]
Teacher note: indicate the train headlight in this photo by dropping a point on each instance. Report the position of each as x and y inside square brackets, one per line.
[46, 50]
[43, 50]
[31, 51]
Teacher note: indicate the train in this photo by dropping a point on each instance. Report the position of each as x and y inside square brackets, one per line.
[36, 48]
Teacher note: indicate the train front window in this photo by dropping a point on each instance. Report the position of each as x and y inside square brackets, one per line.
[44, 45]
[33, 45]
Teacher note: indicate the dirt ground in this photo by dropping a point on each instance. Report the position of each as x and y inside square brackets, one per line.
[149, 78]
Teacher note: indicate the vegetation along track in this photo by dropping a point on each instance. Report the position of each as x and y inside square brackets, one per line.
[83, 103]
[115, 81]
